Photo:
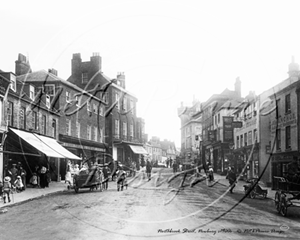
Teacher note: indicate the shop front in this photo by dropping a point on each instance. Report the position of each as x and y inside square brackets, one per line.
[33, 151]
[281, 163]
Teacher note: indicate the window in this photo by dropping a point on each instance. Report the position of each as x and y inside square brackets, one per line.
[242, 141]
[49, 90]
[105, 97]
[34, 120]
[101, 110]
[255, 135]
[278, 139]
[13, 84]
[249, 137]
[84, 77]
[89, 132]
[131, 130]
[54, 128]
[101, 135]
[95, 108]
[10, 115]
[47, 101]
[287, 103]
[124, 129]
[44, 125]
[218, 117]
[95, 133]
[216, 120]
[88, 106]
[131, 105]
[68, 127]
[288, 137]
[246, 140]
[117, 128]
[77, 101]
[67, 96]
[124, 105]
[22, 115]
[237, 142]
[117, 100]
[31, 92]
[278, 108]
[78, 129]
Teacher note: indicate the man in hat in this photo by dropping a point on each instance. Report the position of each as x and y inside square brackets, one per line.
[6, 189]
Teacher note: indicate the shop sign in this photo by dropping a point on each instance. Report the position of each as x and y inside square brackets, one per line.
[289, 119]
[211, 135]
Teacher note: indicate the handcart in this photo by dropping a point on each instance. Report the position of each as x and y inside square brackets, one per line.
[287, 195]
[255, 189]
[87, 179]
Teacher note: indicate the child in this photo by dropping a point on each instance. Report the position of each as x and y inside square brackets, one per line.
[34, 180]
[19, 184]
[6, 189]
[121, 179]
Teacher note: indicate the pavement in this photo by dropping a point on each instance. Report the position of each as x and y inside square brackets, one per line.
[55, 187]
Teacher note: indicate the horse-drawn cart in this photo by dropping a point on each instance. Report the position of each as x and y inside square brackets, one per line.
[87, 179]
[287, 195]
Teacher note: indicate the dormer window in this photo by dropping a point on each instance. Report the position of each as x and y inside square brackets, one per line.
[13, 84]
[31, 92]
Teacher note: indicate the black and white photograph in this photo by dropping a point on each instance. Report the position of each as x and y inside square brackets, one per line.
[149, 119]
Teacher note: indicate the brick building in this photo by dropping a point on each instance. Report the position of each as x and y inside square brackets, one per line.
[31, 128]
[124, 131]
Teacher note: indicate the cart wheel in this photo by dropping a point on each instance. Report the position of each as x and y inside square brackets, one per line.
[277, 202]
[252, 195]
[284, 207]
[76, 189]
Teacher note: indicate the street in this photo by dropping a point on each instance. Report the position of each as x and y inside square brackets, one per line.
[149, 210]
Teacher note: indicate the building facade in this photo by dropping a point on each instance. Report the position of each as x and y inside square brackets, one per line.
[124, 131]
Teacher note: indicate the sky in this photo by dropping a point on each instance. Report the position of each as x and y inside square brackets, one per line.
[170, 51]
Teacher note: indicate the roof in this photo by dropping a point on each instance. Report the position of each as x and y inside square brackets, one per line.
[44, 76]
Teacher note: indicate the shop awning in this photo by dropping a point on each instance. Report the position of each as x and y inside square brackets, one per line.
[50, 147]
[138, 149]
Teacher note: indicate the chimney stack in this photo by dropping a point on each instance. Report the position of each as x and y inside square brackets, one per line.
[121, 79]
[238, 87]
[22, 65]
[53, 71]
[293, 68]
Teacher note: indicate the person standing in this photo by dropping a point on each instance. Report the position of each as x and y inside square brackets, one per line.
[14, 173]
[231, 176]
[174, 167]
[105, 177]
[43, 177]
[6, 189]
[22, 173]
[210, 173]
[148, 170]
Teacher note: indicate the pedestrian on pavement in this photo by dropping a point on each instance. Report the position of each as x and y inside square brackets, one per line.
[34, 180]
[148, 170]
[231, 176]
[6, 189]
[43, 177]
[210, 173]
[174, 167]
[14, 173]
[19, 184]
[22, 173]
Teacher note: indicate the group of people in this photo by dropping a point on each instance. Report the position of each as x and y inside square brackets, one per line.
[14, 180]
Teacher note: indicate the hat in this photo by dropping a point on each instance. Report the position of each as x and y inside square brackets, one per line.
[7, 179]
[18, 176]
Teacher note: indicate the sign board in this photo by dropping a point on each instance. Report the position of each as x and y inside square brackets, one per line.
[228, 129]
[211, 135]
[237, 124]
